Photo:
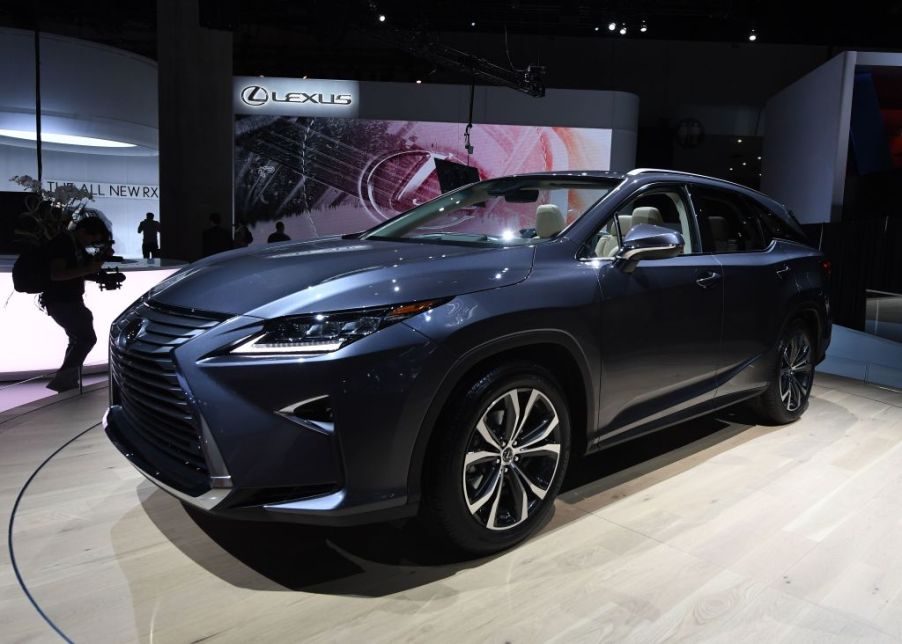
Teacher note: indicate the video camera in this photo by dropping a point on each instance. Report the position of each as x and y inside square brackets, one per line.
[109, 279]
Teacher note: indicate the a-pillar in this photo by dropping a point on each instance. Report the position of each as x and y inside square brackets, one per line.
[196, 127]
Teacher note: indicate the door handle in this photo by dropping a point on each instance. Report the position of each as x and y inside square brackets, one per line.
[783, 272]
[708, 279]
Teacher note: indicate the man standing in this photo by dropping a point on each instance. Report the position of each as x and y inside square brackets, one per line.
[279, 235]
[150, 247]
[216, 239]
[63, 298]
[243, 236]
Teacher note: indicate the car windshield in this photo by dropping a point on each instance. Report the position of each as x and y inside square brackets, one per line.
[502, 212]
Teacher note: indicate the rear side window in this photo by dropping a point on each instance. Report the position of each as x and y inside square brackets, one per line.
[727, 222]
[775, 227]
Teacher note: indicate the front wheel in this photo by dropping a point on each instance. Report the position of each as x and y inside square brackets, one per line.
[786, 398]
[498, 461]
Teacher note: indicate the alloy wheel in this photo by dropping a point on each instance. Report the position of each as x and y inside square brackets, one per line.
[795, 372]
[511, 458]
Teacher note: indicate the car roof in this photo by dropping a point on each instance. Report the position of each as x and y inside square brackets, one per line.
[654, 174]
[716, 182]
[557, 174]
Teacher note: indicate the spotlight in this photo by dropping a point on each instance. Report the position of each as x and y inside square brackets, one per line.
[612, 26]
[753, 35]
[472, 24]
[643, 27]
[738, 140]
[65, 139]
[419, 82]
[623, 29]
[381, 17]
[596, 28]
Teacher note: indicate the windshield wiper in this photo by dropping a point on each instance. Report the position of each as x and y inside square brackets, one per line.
[475, 237]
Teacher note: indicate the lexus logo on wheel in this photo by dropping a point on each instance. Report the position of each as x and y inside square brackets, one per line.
[254, 95]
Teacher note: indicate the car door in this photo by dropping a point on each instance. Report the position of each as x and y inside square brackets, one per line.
[758, 282]
[661, 323]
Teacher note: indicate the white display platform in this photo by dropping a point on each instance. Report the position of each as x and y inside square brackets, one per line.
[31, 343]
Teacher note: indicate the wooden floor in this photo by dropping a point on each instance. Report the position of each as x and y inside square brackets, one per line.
[712, 531]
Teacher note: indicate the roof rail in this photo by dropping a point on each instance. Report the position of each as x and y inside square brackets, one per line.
[636, 171]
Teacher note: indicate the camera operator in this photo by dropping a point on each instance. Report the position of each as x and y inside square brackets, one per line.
[63, 299]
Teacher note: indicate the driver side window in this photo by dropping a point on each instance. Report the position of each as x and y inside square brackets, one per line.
[664, 206]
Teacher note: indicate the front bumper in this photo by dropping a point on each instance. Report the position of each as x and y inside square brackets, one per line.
[266, 464]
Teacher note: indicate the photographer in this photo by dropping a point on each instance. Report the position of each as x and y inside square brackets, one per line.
[63, 299]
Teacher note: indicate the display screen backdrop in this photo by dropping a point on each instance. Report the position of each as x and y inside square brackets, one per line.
[326, 176]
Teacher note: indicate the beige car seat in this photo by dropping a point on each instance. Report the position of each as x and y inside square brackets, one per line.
[608, 245]
[720, 235]
[549, 220]
[647, 215]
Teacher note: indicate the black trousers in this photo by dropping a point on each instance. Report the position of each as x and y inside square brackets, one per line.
[150, 250]
[78, 323]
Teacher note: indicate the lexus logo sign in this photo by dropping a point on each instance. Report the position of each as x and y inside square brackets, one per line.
[254, 95]
[295, 96]
[257, 95]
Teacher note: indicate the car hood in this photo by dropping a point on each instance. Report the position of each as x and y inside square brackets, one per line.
[337, 274]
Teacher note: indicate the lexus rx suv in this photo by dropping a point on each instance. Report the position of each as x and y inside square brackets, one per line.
[449, 362]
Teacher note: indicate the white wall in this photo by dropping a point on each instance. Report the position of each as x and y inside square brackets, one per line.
[124, 213]
[91, 90]
[807, 140]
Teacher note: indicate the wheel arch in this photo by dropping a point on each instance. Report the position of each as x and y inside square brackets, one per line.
[814, 316]
[552, 349]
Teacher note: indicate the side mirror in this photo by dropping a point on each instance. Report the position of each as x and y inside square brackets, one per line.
[647, 241]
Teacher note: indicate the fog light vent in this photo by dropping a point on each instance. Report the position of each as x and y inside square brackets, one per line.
[318, 410]
[313, 413]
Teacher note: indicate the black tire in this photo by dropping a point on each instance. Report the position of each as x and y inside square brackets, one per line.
[786, 399]
[451, 490]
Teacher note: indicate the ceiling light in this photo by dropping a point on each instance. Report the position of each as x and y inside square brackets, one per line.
[753, 35]
[65, 139]
[623, 29]
[381, 17]
[612, 26]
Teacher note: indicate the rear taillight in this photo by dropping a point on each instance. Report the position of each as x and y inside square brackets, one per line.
[827, 267]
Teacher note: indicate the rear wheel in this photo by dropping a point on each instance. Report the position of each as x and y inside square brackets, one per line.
[792, 377]
[497, 463]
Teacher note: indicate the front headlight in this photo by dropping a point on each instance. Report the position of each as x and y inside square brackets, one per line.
[320, 333]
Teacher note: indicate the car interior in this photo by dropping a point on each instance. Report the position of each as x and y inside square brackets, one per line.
[726, 228]
[549, 220]
[665, 209]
